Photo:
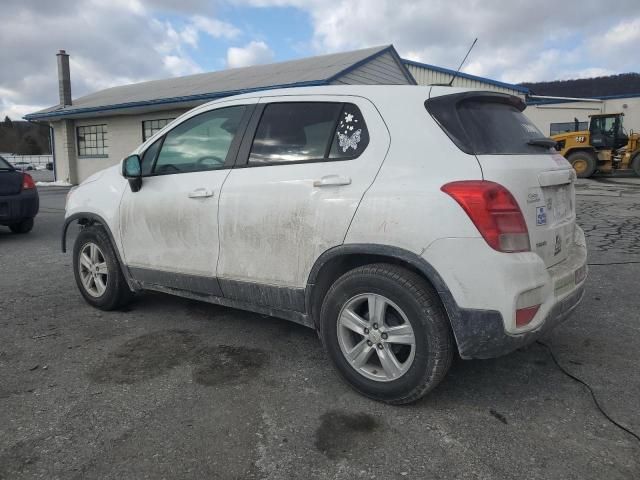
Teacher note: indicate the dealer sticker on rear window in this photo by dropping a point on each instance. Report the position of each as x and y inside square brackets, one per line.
[541, 216]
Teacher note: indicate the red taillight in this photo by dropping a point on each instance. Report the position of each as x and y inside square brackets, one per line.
[525, 315]
[495, 213]
[27, 182]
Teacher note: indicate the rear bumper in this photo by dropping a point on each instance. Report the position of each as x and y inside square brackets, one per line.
[485, 288]
[481, 334]
[15, 208]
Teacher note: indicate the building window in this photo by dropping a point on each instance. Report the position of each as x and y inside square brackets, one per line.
[149, 127]
[92, 140]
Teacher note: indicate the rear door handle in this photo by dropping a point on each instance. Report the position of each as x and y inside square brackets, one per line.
[201, 193]
[332, 180]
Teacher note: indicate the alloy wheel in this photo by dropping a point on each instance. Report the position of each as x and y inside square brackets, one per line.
[93, 270]
[375, 337]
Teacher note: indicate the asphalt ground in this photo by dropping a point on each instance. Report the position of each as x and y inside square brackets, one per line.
[172, 388]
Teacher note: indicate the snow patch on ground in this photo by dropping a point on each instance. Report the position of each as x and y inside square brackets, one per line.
[57, 183]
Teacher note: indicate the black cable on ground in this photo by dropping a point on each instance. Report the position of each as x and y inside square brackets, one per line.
[612, 263]
[593, 395]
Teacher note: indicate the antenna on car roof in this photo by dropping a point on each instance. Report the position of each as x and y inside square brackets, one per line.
[462, 63]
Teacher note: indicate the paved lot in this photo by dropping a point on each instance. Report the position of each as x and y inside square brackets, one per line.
[173, 388]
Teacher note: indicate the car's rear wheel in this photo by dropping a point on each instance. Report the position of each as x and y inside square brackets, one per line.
[24, 226]
[386, 333]
[584, 163]
[97, 270]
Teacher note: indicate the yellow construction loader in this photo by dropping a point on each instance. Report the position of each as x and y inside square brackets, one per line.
[605, 147]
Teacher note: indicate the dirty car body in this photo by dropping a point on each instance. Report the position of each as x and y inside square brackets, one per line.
[401, 222]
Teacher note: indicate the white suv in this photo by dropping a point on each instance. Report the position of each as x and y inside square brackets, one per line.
[403, 223]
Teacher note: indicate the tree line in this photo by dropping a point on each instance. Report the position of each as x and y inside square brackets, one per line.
[623, 84]
[24, 138]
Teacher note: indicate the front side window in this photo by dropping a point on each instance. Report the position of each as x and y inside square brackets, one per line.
[149, 156]
[92, 140]
[150, 127]
[307, 131]
[604, 125]
[200, 143]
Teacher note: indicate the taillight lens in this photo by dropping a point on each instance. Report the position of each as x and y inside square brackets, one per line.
[494, 211]
[525, 315]
[27, 182]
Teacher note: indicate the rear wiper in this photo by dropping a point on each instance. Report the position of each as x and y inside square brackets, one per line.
[545, 142]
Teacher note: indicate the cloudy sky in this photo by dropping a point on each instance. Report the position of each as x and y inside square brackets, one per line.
[112, 42]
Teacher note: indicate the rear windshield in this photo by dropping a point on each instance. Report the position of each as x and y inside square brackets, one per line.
[4, 165]
[486, 124]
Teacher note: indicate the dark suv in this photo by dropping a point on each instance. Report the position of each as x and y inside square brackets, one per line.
[19, 200]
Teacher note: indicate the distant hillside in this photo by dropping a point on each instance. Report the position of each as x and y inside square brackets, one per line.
[24, 138]
[623, 84]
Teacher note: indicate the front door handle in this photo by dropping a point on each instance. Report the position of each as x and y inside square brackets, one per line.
[201, 193]
[332, 180]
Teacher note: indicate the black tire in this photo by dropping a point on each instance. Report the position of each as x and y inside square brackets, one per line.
[635, 164]
[584, 163]
[117, 293]
[419, 301]
[24, 226]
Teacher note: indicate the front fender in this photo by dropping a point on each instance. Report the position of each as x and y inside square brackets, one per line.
[87, 218]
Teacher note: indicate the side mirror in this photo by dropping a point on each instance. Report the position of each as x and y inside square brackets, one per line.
[132, 171]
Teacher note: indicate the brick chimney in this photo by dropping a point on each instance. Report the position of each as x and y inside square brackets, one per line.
[64, 78]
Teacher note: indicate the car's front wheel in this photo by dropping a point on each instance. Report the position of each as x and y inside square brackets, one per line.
[386, 333]
[97, 270]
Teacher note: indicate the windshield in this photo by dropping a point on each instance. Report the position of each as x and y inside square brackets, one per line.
[4, 165]
[487, 124]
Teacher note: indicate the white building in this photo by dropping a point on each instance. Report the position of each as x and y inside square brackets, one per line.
[553, 116]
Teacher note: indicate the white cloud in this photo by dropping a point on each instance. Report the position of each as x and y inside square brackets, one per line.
[624, 34]
[111, 42]
[214, 27]
[178, 66]
[517, 41]
[254, 53]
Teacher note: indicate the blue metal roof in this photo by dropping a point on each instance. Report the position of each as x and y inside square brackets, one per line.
[448, 71]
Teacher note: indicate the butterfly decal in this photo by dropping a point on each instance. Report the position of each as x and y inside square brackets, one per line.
[346, 141]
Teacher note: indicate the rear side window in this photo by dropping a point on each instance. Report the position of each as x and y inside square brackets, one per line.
[307, 132]
[352, 136]
[486, 124]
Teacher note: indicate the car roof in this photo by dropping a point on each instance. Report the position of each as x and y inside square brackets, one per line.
[371, 92]
[367, 91]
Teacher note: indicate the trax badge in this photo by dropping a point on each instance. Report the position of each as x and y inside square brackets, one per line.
[541, 216]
